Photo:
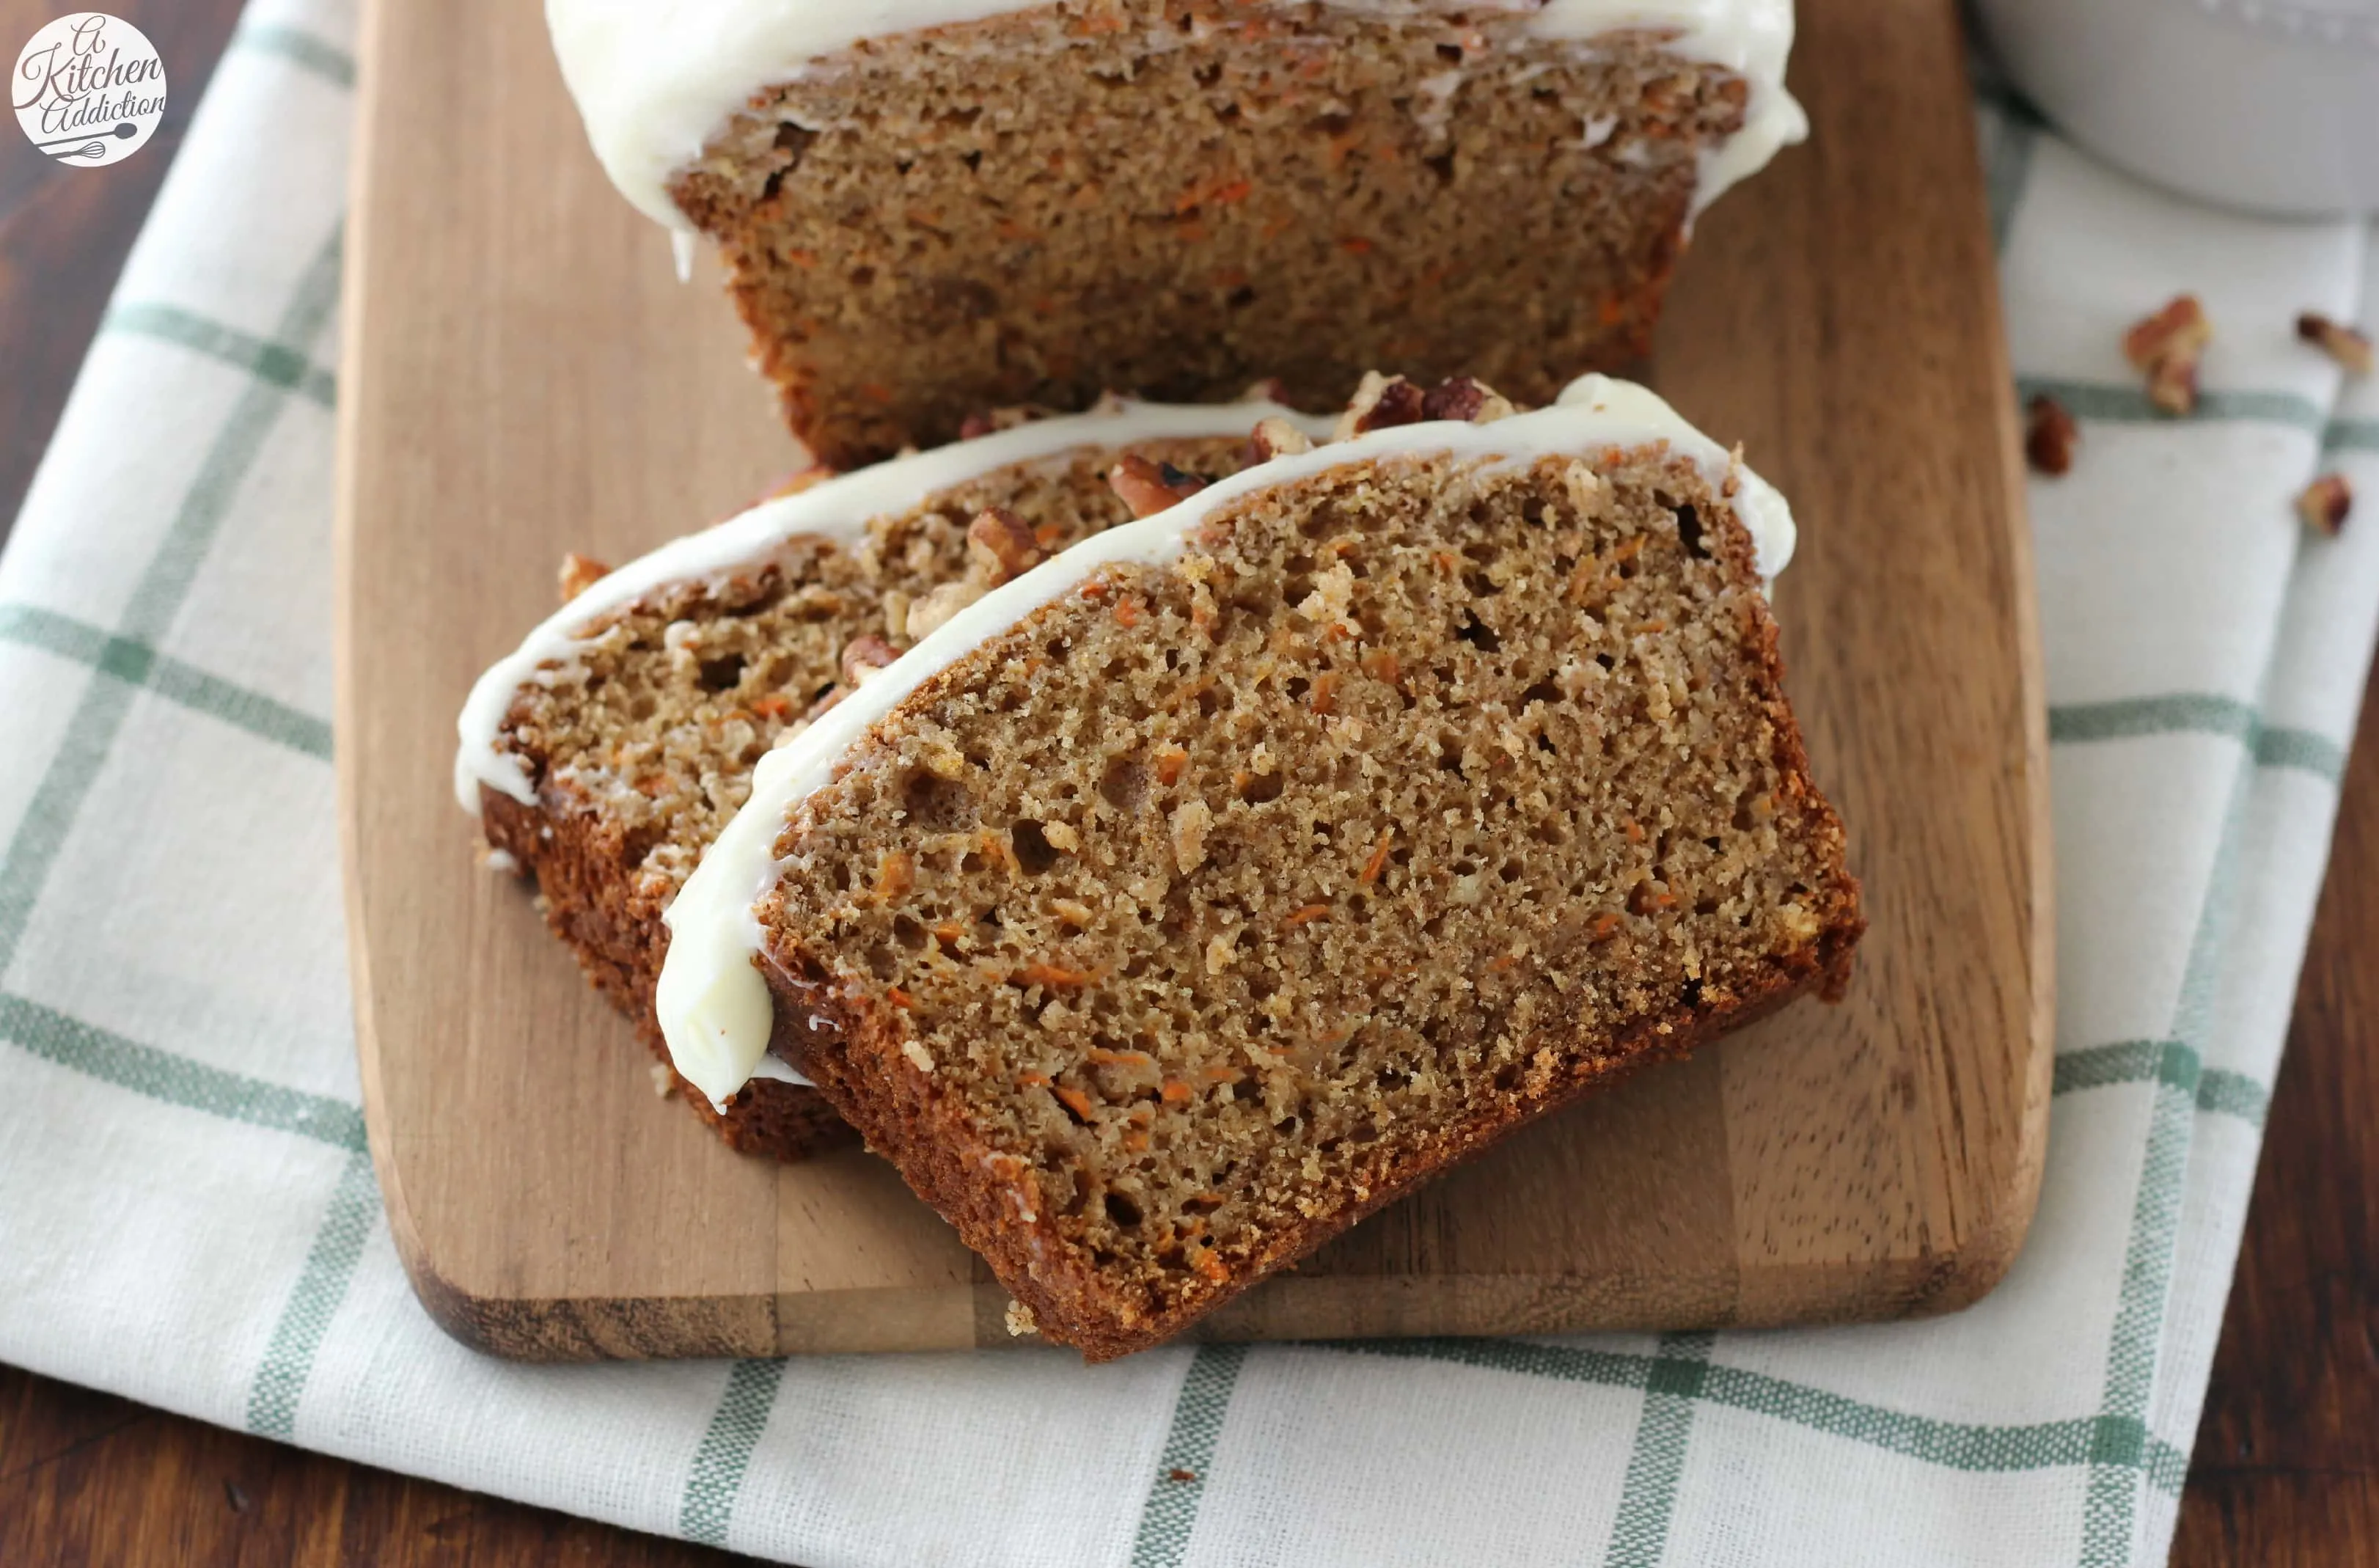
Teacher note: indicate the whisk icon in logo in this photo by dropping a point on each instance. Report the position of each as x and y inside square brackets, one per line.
[88, 90]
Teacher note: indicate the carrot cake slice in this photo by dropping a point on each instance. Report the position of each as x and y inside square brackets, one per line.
[603, 755]
[1202, 889]
[926, 207]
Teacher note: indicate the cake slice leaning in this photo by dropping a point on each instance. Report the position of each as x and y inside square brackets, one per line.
[603, 755]
[1207, 888]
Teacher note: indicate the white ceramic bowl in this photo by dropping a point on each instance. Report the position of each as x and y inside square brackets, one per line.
[2267, 104]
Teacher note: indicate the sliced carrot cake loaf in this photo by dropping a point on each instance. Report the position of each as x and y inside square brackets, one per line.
[604, 755]
[926, 207]
[1196, 893]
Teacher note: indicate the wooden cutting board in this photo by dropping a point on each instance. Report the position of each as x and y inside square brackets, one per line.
[523, 375]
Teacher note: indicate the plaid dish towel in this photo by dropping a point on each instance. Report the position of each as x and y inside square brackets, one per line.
[188, 1214]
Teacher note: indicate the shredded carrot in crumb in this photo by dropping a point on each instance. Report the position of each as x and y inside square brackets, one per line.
[1381, 665]
[1446, 561]
[899, 998]
[1038, 973]
[1653, 626]
[1503, 963]
[1075, 1101]
[895, 875]
[1338, 632]
[1633, 829]
[949, 930]
[1603, 927]
[651, 784]
[1135, 1142]
[1223, 1074]
[1127, 613]
[1628, 551]
[1212, 1266]
[1309, 913]
[1047, 535]
[801, 258]
[1169, 764]
[1355, 247]
[1106, 1058]
[1239, 777]
[1033, 1080]
[1325, 691]
[1379, 860]
[1175, 1092]
[775, 705]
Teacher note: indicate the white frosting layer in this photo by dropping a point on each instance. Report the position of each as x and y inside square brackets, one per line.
[840, 509]
[715, 1007]
[657, 79]
[837, 510]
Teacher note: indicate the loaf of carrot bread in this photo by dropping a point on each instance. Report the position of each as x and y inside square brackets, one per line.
[926, 207]
[603, 755]
[1198, 892]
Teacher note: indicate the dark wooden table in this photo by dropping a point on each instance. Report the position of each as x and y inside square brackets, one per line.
[2286, 1472]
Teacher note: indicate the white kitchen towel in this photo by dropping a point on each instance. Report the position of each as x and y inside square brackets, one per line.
[188, 1214]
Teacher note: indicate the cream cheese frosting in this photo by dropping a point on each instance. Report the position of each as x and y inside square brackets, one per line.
[657, 79]
[716, 1012]
[838, 509]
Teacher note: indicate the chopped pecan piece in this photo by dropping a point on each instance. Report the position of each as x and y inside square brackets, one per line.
[2167, 346]
[1379, 402]
[863, 655]
[1459, 397]
[2325, 503]
[2172, 383]
[2050, 434]
[2180, 327]
[579, 573]
[2348, 345]
[1149, 488]
[1273, 437]
[1001, 547]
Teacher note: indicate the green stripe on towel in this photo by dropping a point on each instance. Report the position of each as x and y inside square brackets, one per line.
[707, 1506]
[265, 717]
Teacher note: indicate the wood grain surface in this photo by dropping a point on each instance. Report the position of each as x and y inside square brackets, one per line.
[2285, 1474]
[522, 377]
